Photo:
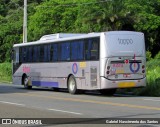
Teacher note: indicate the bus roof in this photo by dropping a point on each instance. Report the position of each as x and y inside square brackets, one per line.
[58, 38]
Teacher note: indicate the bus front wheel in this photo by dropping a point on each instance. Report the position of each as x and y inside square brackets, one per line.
[72, 85]
[26, 82]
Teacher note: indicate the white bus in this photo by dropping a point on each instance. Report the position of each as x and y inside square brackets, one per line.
[96, 61]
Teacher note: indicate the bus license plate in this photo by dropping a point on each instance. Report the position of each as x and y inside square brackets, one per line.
[126, 84]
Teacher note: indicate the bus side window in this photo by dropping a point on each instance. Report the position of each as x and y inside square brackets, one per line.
[27, 54]
[34, 53]
[30, 54]
[45, 53]
[81, 50]
[92, 49]
[88, 49]
[51, 52]
[38, 53]
[16, 55]
[24, 54]
[20, 55]
[77, 50]
[48, 52]
[74, 55]
[65, 51]
[95, 50]
[41, 53]
[55, 52]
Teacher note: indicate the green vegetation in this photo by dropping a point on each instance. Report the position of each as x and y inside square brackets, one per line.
[78, 16]
[153, 78]
[5, 72]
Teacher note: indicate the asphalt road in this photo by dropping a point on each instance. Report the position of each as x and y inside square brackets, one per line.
[17, 102]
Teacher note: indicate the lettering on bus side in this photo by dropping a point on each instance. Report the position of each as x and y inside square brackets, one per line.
[125, 41]
[26, 69]
[117, 65]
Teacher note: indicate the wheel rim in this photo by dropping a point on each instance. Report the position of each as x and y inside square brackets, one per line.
[72, 84]
[25, 81]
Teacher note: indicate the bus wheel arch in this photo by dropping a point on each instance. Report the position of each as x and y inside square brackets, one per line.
[72, 84]
[25, 81]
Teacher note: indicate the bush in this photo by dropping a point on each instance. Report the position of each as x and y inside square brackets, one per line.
[5, 72]
[148, 55]
[157, 56]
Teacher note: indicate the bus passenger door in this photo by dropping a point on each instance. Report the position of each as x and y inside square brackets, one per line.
[15, 59]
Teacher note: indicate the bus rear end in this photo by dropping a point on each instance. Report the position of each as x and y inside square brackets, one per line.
[123, 60]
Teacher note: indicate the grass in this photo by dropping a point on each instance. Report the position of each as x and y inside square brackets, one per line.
[5, 72]
[153, 79]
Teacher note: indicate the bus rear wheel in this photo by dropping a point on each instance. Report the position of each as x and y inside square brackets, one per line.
[72, 85]
[107, 91]
[26, 82]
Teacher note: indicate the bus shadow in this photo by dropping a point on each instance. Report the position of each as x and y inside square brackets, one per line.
[10, 88]
[97, 93]
[83, 92]
[44, 89]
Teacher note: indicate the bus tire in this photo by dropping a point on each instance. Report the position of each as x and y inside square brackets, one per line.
[107, 91]
[72, 85]
[26, 82]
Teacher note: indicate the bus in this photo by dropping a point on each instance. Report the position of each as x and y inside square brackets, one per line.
[102, 61]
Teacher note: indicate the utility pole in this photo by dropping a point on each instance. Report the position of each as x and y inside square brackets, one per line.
[25, 22]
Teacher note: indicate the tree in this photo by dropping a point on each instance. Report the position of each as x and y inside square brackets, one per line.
[75, 16]
[103, 16]
[52, 17]
[147, 19]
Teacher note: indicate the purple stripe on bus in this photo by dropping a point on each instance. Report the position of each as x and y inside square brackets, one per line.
[45, 84]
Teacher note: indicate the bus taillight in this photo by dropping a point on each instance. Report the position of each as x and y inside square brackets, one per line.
[108, 67]
[143, 69]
